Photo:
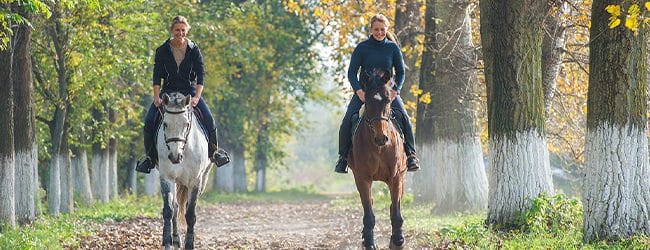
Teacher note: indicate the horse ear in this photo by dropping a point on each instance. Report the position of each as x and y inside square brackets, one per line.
[187, 100]
[165, 99]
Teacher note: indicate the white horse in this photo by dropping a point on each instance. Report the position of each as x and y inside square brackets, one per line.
[183, 164]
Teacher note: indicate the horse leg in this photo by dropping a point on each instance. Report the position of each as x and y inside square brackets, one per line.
[368, 216]
[190, 218]
[396, 191]
[168, 212]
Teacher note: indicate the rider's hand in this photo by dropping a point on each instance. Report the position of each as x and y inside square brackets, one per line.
[392, 94]
[157, 101]
[195, 100]
[361, 94]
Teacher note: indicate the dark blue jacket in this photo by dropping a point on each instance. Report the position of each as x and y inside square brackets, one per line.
[183, 78]
[371, 54]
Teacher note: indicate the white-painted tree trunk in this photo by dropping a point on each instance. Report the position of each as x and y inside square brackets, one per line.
[260, 183]
[616, 191]
[81, 177]
[100, 175]
[152, 183]
[67, 191]
[7, 199]
[422, 179]
[112, 168]
[25, 184]
[132, 183]
[223, 179]
[239, 171]
[519, 171]
[54, 186]
[459, 183]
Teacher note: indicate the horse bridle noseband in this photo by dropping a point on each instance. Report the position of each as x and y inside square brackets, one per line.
[187, 132]
[369, 121]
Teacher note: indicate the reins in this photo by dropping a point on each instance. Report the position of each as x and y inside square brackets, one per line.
[187, 132]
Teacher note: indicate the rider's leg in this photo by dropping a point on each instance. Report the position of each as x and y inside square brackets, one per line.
[412, 162]
[345, 135]
[151, 119]
[218, 156]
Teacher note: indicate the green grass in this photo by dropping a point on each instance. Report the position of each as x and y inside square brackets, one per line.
[49, 232]
[552, 223]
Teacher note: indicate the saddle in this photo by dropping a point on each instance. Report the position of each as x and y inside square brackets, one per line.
[396, 117]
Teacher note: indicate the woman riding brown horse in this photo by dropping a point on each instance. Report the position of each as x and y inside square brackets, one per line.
[378, 155]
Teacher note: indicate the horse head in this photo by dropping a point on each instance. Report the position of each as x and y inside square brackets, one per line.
[176, 124]
[377, 116]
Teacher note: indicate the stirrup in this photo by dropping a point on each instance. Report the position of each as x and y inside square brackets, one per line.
[412, 163]
[220, 157]
[145, 166]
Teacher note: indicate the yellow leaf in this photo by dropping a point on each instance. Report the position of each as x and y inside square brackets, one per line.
[613, 9]
[647, 6]
[633, 10]
[425, 98]
[631, 23]
[614, 22]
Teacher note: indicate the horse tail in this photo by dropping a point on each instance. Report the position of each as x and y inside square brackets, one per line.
[182, 197]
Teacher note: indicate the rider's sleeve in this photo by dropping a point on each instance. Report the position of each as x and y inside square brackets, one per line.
[199, 67]
[158, 68]
[398, 63]
[353, 69]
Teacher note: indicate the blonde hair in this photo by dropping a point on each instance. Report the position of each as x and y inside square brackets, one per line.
[179, 19]
[383, 19]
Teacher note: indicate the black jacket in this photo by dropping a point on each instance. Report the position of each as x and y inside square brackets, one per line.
[183, 78]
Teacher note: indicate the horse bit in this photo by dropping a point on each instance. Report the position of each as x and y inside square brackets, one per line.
[178, 139]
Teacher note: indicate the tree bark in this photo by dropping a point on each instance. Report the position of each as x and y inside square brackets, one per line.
[553, 44]
[82, 188]
[453, 150]
[261, 159]
[519, 164]
[26, 147]
[132, 178]
[239, 169]
[67, 190]
[424, 122]
[112, 168]
[7, 153]
[152, 183]
[616, 192]
[407, 28]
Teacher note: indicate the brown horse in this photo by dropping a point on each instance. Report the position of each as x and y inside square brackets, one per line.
[378, 155]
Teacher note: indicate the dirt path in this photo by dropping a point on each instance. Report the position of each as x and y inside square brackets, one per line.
[251, 225]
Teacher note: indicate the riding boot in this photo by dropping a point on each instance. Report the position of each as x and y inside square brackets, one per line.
[217, 155]
[345, 137]
[412, 162]
[151, 160]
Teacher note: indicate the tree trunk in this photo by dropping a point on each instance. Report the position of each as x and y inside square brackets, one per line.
[422, 180]
[100, 159]
[616, 192]
[67, 191]
[407, 28]
[7, 153]
[152, 183]
[132, 178]
[59, 40]
[519, 164]
[26, 147]
[112, 168]
[553, 44]
[224, 178]
[81, 176]
[239, 169]
[261, 159]
[453, 150]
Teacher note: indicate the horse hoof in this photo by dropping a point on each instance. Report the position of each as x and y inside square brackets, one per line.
[392, 245]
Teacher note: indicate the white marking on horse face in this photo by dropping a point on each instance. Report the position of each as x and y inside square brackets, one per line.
[377, 97]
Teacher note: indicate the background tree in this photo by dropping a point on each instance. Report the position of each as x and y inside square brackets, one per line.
[453, 150]
[616, 191]
[519, 163]
[408, 27]
[7, 151]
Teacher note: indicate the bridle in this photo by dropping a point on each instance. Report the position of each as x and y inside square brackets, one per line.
[369, 121]
[187, 131]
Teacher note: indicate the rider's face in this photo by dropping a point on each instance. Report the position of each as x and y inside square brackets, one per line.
[378, 30]
[179, 30]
